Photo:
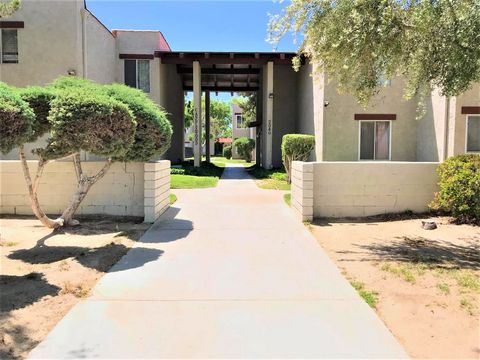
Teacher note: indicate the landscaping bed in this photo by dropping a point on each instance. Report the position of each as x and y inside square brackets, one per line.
[274, 179]
[186, 176]
[223, 161]
[424, 284]
[44, 273]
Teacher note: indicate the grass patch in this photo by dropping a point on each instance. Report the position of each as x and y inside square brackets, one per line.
[8, 243]
[444, 288]
[468, 305]
[187, 176]
[173, 198]
[79, 291]
[467, 280]
[403, 271]
[288, 199]
[192, 182]
[275, 179]
[370, 297]
[223, 161]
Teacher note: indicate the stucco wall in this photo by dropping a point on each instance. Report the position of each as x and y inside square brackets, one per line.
[284, 108]
[49, 45]
[341, 134]
[101, 51]
[351, 189]
[459, 120]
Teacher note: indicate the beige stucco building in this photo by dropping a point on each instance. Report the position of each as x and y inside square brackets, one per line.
[45, 40]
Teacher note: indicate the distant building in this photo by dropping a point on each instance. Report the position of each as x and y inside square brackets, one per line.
[240, 128]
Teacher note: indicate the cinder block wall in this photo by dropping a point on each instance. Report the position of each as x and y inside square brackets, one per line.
[122, 191]
[357, 189]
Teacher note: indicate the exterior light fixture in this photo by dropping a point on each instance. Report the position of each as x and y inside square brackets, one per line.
[72, 72]
[326, 103]
[270, 96]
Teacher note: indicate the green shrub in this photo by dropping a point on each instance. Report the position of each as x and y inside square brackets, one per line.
[39, 100]
[296, 147]
[459, 183]
[227, 152]
[177, 171]
[153, 131]
[16, 119]
[90, 121]
[244, 147]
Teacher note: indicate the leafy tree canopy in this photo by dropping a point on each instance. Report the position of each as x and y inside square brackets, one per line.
[8, 8]
[248, 103]
[360, 42]
[220, 117]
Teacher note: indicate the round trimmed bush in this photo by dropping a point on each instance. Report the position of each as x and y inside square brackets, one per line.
[227, 152]
[459, 187]
[296, 147]
[244, 147]
[89, 120]
[16, 119]
[153, 131]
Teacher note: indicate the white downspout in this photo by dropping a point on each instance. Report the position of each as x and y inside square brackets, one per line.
[446, 132]
[84, 43]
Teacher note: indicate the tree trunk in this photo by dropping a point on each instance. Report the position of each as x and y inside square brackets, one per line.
[288, 168]
[83, 186]
[33, 188]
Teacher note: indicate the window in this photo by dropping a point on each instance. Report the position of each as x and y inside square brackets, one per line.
[239, 121]
[473, 133]
[137, 74]
[374, 140]
[9, 46]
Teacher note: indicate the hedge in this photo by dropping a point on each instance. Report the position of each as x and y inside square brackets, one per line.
[296, 147]
[227, 152]
[244, 147]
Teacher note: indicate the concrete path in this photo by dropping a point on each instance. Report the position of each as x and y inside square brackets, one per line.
[227, 272]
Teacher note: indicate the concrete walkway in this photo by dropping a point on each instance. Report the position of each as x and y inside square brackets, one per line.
[227, 272]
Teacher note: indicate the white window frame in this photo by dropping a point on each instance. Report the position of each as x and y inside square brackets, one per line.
[236, 120]
[374, 137]
[136, 74]
[466, 134]
[1, 47]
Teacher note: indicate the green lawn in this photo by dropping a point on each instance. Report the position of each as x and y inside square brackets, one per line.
[186, 176]
[275, 179]
[222, 161]
[192, 182]
[173, 198]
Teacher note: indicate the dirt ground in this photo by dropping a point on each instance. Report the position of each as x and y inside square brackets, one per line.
[44, 273]
[425, 284]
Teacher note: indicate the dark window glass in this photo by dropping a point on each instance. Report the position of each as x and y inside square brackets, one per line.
[9, 46]
[144, 75]
[131, 73]
[473, 134]
[367, 141]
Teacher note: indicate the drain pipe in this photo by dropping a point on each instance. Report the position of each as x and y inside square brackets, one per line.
[447, 130]
[84, 43]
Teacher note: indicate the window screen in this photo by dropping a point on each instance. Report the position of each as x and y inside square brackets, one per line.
[473, 133]
[131, 73]
[9, 46]
[143, 75]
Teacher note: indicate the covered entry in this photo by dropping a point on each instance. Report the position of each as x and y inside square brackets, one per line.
[270, 75]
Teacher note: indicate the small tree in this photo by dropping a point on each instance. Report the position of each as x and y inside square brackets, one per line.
[227, 152]
[244, 147]
[296, 147]
[115, 122]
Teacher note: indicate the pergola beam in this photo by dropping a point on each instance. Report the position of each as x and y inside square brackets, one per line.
[186, 58]
[216, 71]
[224, 88]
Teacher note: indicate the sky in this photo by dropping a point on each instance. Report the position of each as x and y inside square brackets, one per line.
[221, 25]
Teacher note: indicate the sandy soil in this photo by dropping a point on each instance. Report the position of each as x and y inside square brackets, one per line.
[44, 273]
[427, 282]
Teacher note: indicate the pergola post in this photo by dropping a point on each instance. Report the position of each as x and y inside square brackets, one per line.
[207, 125]
[269, 114]
[197, 114]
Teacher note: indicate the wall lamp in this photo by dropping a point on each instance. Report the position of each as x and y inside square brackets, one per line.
[72, 72]
[326, 103]
[270, 96]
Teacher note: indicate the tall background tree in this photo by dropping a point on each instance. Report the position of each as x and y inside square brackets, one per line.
[431, 43]
[220, 118]
[9, 7]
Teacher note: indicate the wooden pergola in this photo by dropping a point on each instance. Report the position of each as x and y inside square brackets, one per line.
[221, 72]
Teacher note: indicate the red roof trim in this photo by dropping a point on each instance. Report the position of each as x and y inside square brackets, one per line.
[470, 110]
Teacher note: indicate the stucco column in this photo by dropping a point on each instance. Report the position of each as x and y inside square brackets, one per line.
[268, 78]
[207, 125]
[197, 114]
